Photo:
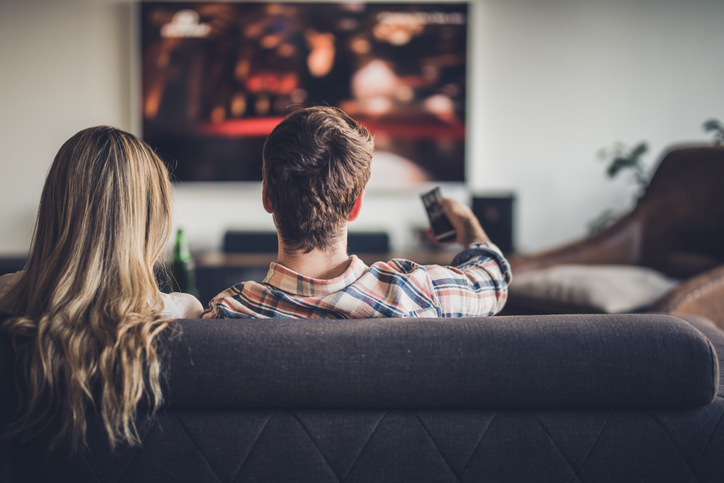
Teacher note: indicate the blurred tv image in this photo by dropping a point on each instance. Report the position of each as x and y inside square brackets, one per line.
[218, 77]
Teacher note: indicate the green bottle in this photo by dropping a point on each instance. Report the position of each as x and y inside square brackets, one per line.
[183, 270]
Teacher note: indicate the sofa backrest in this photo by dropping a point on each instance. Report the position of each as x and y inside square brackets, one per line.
[607, 361]
[577, 361]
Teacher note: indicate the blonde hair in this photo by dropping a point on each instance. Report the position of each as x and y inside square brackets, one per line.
[87, 308]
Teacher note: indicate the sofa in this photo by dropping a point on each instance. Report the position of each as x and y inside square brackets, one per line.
[549, 398]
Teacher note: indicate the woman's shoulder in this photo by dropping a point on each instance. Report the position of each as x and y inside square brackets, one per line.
[181, 306]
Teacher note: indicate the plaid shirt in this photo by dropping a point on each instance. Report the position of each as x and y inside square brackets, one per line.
[476, 284]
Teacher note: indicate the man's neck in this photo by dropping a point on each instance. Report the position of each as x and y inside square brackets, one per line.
[325, 264]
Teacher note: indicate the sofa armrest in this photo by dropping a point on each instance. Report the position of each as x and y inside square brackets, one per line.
[715, 336]
[575, 361]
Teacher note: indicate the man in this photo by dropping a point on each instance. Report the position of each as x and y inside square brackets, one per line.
[316, 165]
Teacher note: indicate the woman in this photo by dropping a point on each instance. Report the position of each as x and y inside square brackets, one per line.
[86, 311]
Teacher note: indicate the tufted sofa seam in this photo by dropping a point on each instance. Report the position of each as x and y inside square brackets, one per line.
[553, 442]
[130, 460]
[447, 463]
[196, 445]
[706, 446]
[253, 445]
[374, 431]
[309, 435]
[93, 470]
[482, 436]
[590, 450]
[668, 435]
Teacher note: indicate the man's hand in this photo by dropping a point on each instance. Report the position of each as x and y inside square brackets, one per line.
[466, 224]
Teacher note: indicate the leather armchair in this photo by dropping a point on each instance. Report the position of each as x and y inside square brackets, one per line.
[677, 228]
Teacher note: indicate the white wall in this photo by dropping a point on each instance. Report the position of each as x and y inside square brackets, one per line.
[562, 78]
[63, 67]
[553, 81]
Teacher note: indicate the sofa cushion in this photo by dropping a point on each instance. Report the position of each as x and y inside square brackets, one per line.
[606, 289]
[592, 361]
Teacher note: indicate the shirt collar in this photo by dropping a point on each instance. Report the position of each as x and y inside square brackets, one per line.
[289, 281]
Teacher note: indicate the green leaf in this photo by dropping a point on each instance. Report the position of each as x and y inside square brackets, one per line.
[639, 150]
[713, 125]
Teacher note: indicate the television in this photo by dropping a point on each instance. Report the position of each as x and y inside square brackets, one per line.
[217, 77]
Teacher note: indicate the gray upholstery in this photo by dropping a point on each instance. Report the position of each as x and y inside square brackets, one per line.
[513, 362]
[497, 399]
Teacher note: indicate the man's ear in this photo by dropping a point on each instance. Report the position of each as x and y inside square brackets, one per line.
[356, 207]
[265, 199]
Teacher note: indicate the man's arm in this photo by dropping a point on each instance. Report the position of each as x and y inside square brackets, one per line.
[226, 306]
[477, 283]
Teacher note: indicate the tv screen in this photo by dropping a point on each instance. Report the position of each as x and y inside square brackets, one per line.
[218, 77]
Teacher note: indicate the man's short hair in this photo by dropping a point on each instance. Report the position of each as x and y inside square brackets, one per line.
[316, 164]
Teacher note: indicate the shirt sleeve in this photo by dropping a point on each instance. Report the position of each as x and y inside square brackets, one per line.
[214, 311]
[226, 306]
[218, 307]
[476, 284]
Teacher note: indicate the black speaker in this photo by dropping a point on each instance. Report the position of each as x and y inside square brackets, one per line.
[266, 242]
[250, 242]
[368, 242]
[496, 216]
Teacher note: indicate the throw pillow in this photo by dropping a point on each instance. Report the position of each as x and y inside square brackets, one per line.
[590, 288]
